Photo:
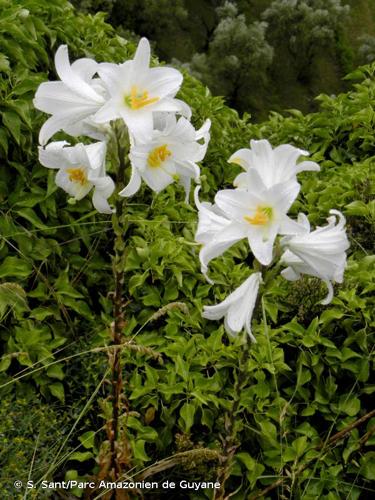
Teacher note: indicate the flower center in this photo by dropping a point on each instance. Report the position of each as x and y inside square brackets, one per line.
[138, 99]
[158, 156]
[262, 216]
[77, 175]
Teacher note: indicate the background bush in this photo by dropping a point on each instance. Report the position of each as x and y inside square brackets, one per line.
[309, 373]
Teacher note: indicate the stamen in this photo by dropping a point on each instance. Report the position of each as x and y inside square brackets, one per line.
[77, 175]
[137, 99]
[262, 216]
[158, 156]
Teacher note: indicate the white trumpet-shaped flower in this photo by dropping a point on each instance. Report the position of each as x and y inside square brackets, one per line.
[273, 165]
[137, 91]
[73, 100]
[259, 215]
[80, 168]
[319, 253]
[237, 309]
[169, 155]
[211, 223]
[210, 220]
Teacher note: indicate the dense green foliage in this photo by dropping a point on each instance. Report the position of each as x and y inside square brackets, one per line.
[308, 374]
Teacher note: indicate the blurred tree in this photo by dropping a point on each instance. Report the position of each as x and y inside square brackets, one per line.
[307, 26]
[237, 57]
[160, 20]
[94, 5]
[367, 49]
[259, 54]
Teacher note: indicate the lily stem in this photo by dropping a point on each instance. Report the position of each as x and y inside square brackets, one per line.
[230, 443]
[119, 223]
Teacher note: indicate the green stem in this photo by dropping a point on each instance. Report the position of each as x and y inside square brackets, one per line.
[230, 444]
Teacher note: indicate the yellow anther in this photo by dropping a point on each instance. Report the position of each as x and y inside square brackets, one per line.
[158, 156]
[137, 99]
[77, 175]
[262, 216]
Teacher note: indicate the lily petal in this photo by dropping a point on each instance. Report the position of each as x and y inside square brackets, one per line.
[133, 185]
[237, 309]
[71, 79]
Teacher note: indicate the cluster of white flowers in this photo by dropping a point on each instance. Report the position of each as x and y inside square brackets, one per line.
[165, 147]
[90, 96]
[257, 210]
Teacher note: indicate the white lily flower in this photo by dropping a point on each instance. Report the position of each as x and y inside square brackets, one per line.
[88, 128]
[211, 223]
[137, 91]
[273, 165]
[169, 155]
[237, 308]
[210, 219]
[80, 168]
[258, 214]
[71, 101]
[320, 253]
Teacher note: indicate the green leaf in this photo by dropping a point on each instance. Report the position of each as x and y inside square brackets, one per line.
[356, 208]
[152, 298]
[63, 286]
[207, 418]
[300, 445]
[4, 145]
[15, 266]
[182, 368]
[349, 405]
[81, 456]
[137, 281]
[269, 431]
[56, 371]
[187, 413]
[5, 363]
[30, 215]
[246, 459]
[57, 390]
[4, 63]
[139, 450]
[41, 313]
[140, 391]
[88, 440]
[368, 466]
[13, 123]
[79, 306]
[11, 295]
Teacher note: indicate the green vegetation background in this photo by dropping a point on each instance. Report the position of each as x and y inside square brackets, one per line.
[309, 373]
